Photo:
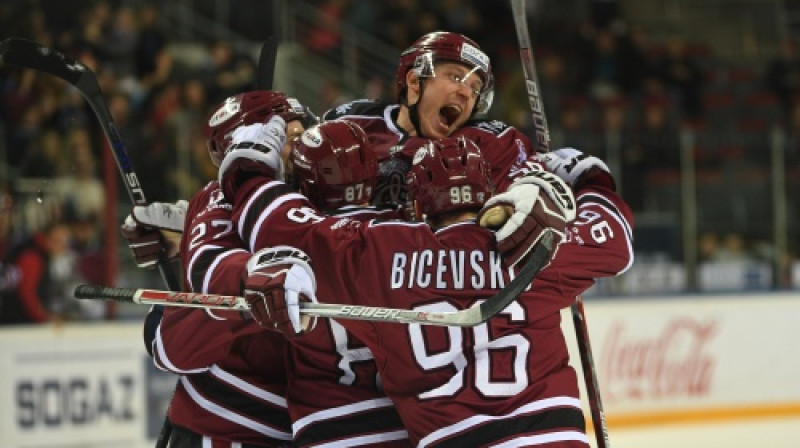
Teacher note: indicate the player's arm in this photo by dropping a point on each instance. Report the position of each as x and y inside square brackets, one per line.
[153, 229]
[599, 242]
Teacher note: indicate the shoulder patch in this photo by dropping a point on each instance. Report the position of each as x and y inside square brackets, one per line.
[362, 107]
[495, 127]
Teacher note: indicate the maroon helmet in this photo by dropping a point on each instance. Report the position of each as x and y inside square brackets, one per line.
[333, 165]
[446, 46]
[448, 174]
[246, 108]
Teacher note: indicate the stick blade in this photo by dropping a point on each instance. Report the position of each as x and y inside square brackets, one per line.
[29, 54]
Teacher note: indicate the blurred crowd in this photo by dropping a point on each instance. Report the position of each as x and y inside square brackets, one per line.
[606, 84]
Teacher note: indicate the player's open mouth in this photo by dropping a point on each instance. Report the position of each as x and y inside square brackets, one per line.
[449, 114]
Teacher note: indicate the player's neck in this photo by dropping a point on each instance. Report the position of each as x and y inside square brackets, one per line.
[404, 121]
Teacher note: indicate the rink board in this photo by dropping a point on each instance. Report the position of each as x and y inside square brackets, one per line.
[659, 361]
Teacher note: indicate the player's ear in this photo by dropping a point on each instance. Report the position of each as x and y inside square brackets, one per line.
[412, 79]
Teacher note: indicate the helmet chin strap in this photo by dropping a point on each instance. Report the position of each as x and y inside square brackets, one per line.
[413, 110]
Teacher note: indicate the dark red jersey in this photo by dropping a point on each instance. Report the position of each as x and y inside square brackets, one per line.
[503, 146]
[332, 390]
[507, 380]
[232, 377]
[335, 394]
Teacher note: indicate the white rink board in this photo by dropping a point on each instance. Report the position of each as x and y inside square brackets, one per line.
[659, 360]
[72, 386]
[688, 352]
[728, 365]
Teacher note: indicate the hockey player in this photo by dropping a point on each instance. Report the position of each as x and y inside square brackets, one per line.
[504, 381]
[232, 382]
[334, 392]
[444, 85]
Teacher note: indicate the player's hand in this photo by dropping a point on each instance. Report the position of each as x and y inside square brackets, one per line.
[577, 169]
[278, 279]
[533, 203]
[153, 229]
[255, 149]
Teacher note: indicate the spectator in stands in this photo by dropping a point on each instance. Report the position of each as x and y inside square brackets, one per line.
[33, 297]
[653, 147]
[79, 187]
[682, 77]
[783, 75]
[227, 71]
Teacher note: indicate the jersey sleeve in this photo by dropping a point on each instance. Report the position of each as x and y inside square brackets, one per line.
[213, 255]
[504, 147]
[598, 244]
[190, 340]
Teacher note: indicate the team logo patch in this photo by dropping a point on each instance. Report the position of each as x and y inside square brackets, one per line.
[312, 138]
[230, 108]
[421, 153]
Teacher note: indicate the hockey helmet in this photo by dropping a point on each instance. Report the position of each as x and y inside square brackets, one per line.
[333, 165]
[448, 174]
[446, 46]
[257, 106]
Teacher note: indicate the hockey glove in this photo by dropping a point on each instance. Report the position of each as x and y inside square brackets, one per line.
[278, 279]
[153, 229]
[533, 203]
[578, 169]
[255, 150]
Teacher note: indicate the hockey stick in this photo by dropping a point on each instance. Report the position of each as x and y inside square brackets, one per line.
[266, 63]
[543, 141]
[465, 318]
[28, 54]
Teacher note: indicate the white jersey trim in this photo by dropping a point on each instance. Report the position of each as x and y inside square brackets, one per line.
[339, 411]
[162, 360]
[254, 232]
[476, 420]
[541, 439]
[247, 387]
[213, 267]
[618, 216]
[231, 416]
[364, 440]
[252, 199]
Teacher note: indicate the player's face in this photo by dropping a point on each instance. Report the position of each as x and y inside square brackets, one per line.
[447, 99]
[294, 129]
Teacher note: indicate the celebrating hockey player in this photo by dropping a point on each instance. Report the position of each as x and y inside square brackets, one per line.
[232, 378]
[445, 86]
[453, 386]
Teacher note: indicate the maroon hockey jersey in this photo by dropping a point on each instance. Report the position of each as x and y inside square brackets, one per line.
[504, 147]
[333, 392]
[232, 377]
[507, 380]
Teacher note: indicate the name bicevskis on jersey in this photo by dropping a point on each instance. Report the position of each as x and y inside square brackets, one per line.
[449, 269]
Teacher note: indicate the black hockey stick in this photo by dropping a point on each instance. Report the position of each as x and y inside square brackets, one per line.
[31, 55]
[266, 63]
[28, 54]
[465, 318]
[543, 142]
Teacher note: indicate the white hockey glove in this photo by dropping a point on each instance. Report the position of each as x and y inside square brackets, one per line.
[255, 149]
[533, 203]
[278, 279]
[153, 229]
[576, 168]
